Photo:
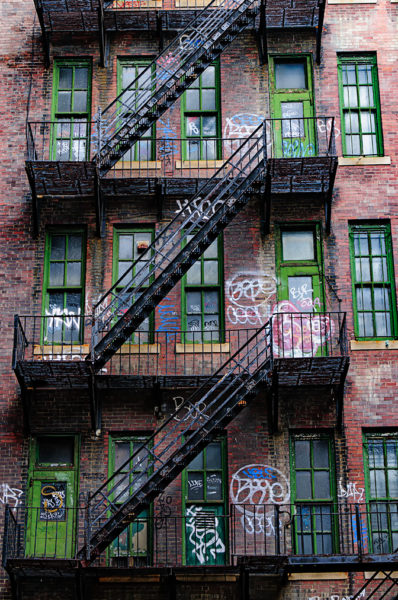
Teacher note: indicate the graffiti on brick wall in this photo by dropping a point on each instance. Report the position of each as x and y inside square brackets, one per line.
[299, 335]
[163, 510]
[253, 486]
[167, 146]
[338, 597]
[10, 495]
[204, 535]
[326, 127]
[248, 295]
[102, 306]
[351, 491]
[240, 126]
[198, 208]
[168, 319]
[297, 149]
[197, 409]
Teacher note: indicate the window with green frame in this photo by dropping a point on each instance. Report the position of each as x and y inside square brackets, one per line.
[201, 118]
[63, 286]
[132, 71]
[313, 494]
[360, 105]
[202, 296]
[71, 109]
[130, 246]
[373, 287]
[133, 545]
[381, 476]
[204, 501]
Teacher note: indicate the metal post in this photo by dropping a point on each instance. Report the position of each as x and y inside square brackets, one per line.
[358, 526]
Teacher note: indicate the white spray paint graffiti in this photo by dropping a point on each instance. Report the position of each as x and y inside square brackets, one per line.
[255, 485]
[337, 597]
[324, 127]
[62, 316]
[198, 208]
[198, 408]
[9, 495]
[204, 535]
[98, 309]
[351, 491]
[248, 294]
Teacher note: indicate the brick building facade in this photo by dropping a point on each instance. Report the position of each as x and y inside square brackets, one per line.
[199, 213]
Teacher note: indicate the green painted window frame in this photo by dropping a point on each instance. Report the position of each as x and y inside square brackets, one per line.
[117, 232]
[369, 229]
[147, 555]
[215, 504]
[60, 132]
[382, 509]
[307, 522]
[357, 60]
[187, 287]
[135, 151]
[185, 112]
[65, 289]
[34, 463]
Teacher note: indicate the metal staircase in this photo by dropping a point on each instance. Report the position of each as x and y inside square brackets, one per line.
[134, 296]
[379, 586]
[130, 115]
[176, 443]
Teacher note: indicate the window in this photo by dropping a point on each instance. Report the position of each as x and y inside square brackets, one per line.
[360, 106]
[202, 296]
[373, 281]
[201, 116]
[313, 493]
[71, 110]
[63, 293]
[204, 498]
[133, 72]
[130, 246]
[381, 458]
[132, 547]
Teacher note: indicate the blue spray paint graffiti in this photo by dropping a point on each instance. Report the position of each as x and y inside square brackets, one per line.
[259, 473]
[167, 146]
[297, 149]
[168, 320]
[363, 532]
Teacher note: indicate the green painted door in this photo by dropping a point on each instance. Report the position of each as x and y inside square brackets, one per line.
[205, 535]
[52, 497]
[292, 108]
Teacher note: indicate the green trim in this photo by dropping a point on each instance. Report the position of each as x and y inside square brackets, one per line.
[388, 284]
[137, 63]
[119, 231]
[313, 503]
[65, 288]
[131, 440]
[71, 115]
[200, 112]
[222, 440]
[361, 59]
[203, 287]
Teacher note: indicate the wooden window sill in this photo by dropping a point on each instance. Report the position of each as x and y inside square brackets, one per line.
[194, 3]
[142, 349]
[137, 165]
[374, 345]
[136, 4]
[358, 161]
[318, 576]
[42, 350]
[199, 164]
[210, 348]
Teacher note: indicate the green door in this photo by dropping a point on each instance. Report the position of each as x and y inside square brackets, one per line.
[298, 328]
[52, 497]
[205, 535]
[292, 108]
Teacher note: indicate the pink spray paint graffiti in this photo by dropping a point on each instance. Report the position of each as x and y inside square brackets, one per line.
[296, 334]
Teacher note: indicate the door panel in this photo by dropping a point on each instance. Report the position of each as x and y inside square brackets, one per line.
[205, 535]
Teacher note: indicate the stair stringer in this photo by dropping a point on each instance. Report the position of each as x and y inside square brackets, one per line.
[225, 399]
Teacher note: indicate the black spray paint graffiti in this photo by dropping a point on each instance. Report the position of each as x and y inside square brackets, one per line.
[163, 511]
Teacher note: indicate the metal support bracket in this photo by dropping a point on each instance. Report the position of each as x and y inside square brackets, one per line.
[261, 35]
[159, 30]
[244, 583]
[160, 195]
[266, 204]
[95, 404]
[35, 202]
[329, 196]
[319, 30]
[103, 38]
[274, 401]
[340, 397]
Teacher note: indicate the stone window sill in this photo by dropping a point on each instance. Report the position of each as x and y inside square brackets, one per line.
[137, 165]
[374, 345]
[317, 576]
[212, 348]
[358, 161]
[199, 164]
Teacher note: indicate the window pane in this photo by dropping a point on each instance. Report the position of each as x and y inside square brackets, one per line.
[65, 78]
[303, 484]
[376, 454]
[321, 484]
[366, 96]
[351, 122]
[298, 245]
[383, 325]
[194, 302]
[381, 298]
[362, 269]
[195, 486]
[192, 99]
[393, 483]
[208, 77]
[64, 101]
[367, 122]
[392, 453]
[81, 78]
[57, 273]
[365, 325]
[350, 97]
[302, 453]
[57, 247]
[210, 272]
[378, 484]
[290, 75]
[193, 126]
[194, 274]
[364, 298]
[73, 273]
[320, 449]
[80, 102]
[56, 450]
[73, 302]
[212, 251]
[379, 267]
[209, 126]
[197, 462]
[214, 486]
[361, 244]
[126, 246]
[194, 324]
[122, 453]
[211, 323]
[208, 99]
[292, 115]
[213, 456]
[75, 247]
[211, 302]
